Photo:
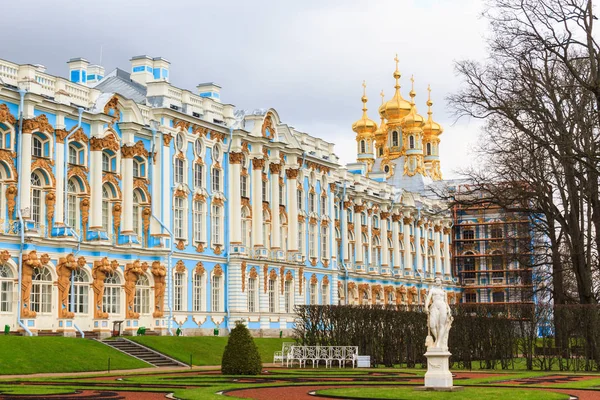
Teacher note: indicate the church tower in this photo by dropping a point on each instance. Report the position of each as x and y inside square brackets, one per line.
[431, 143]
[365, 135]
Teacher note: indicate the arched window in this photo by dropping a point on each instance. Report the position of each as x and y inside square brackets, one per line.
[40, 145]
[216, 181]
[216, 294]
[272, 293]
[5, 137]
[106, 197]
[198, 300]
[323, 205]
[178, 291]
[363, 219]
[78, 296]
[137, 211]
[375, 222]
[390, 252]
[411, 141]
[363, 148]
[72, 201]
[282, 195]
[300, 196]
[311, 202]
[111, 301]
[198, 221]
[365, 247]
[380, 151]
[301, 239]
[246, 228]
[395, 141]
[252, 292]
[76, 153]
[36, 197]
[141, 303]
[6, 288]
[41, 291]
[265, 191]
[312, 241]
[266, 230]
[109, 161]
[497, 265]
[139, 167]
[244, 186]
[428, 149]
[178, 171]
[283, 229]
[376, 252]
[198, 175]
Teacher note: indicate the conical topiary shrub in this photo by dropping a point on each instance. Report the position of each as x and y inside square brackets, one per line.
[241, 355]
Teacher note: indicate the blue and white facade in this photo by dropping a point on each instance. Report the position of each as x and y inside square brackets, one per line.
[126, 198]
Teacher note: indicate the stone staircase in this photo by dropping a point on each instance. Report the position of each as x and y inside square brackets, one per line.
[142, 352]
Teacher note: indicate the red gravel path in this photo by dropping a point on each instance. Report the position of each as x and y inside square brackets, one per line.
[95, 395]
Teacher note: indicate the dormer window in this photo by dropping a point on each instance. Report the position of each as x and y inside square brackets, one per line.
[395, 140]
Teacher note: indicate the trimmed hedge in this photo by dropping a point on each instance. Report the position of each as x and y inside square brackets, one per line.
[241, 355]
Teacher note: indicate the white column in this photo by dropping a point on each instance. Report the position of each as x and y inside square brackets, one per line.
[437, 250]
[383, 220]
[127, 214]
[167, 166]
[96, 185]
[426, 266]
[447, 267]
[275, 169]
[235, 202]
[292, 208]
[418, 253]
[156, 187]
[257, 213]
[396, 240]
[344, 232]
[358, 234]
[25, 178]
[369, 256]
[408, 267]
[59, 215]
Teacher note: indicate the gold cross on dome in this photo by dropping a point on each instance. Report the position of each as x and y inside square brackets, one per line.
[364, 85]
[412, 80]
[382, 96]
[397, 60]
[429, 92]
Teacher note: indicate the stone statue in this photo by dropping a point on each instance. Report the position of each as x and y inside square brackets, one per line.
[99, 272]
[132, 273]
[64, 269]
[159, 272]
[30, 263]
[439, 317]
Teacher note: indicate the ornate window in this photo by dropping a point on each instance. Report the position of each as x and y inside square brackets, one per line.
[178, 217]
[313, 294]
[244, 186]
[216, 294]
[246, 228]
[36, 198]
[141, 302]
[323, 205]
[395, 141]
[137, 214]
[272, 292]
[311, 202]
[266, 230]
[111, 300]
[252, 292]
[288, 293]
[109, 161]
[497, 265]
[265, 191]
[41, 291]
[216, 225]
[76, 153]
[301, 231]
[5, 138]
[40, 145]
[198, 297]
[139, 167]
[72, 208]
[498, 297]
[282, 195]
[178, 291]
[6, 288]
[496, 233]
[411, 142]
[179, 171]
[312, 241]
[470, 297]
[324, 294]
[283, 237]
[216, 153]
[79, 294]
[180, 141]
[469, 234]
[363, 148]
[469, 266]
[198, 175]
[390, 252]
[107, 196]
[299, 200]
[198, 148]
[324, 242]
[198, 220]
[216, 180]
[428, 149]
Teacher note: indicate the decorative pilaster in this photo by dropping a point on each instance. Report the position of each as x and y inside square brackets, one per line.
[408, 262]
[385, 251]
[127, 153]
[61, 153]
[96, 184]
[344, 232]
[358, 236]
[396, 241]
[437, 231]
[25, 178]
[418, 253]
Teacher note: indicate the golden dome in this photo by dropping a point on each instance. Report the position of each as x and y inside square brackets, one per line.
[364, 125]
[396, 108]
[431, 128]
[413, 119]
[382, 130]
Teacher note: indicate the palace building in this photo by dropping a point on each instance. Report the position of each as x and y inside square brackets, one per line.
[125, 198]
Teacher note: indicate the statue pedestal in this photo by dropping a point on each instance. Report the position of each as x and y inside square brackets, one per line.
[438, 370]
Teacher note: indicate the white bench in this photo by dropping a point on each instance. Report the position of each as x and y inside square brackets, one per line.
[281, 356]
[329, 354]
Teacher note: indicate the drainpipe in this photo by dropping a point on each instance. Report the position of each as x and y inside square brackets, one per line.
[21, 222]
[163, 226]
[227, 218]
[344, 228]
[66, 182]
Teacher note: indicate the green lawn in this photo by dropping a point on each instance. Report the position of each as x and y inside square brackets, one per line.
[28, 355]
[205, 350]
[400, 393]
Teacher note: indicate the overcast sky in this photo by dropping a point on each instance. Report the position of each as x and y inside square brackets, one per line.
[307, 59]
